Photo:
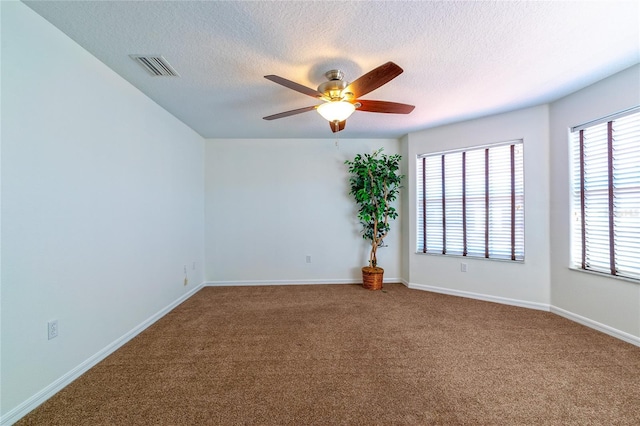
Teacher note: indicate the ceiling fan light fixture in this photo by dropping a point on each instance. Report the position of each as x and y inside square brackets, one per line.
[336, 110]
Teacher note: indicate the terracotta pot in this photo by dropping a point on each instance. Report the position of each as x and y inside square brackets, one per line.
[372, 277]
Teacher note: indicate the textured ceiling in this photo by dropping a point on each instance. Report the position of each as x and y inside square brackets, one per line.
[461, 59]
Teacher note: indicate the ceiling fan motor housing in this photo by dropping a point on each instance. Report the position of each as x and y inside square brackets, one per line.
[334, 87]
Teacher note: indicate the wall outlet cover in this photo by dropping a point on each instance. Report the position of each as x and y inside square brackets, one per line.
[52, 329]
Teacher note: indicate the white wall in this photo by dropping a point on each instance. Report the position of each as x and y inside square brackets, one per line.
[270, 203]
[525, 283]
[102, 206]
[600, 300]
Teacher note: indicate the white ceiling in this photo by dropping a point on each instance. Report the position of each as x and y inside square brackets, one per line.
[461, 60]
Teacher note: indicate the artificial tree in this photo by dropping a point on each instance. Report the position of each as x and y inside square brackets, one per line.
[375, 183]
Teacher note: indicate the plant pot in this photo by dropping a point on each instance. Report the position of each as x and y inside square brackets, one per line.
[372, 278]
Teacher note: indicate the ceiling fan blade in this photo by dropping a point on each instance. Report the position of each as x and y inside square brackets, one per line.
[294, 86]
[374, 79]
[288, 113]
[384, 107]
[337, 126]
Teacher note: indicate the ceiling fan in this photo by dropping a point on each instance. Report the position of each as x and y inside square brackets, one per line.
[341, 99]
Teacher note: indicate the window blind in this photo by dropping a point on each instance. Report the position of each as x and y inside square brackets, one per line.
[470, 202]
[605, 183]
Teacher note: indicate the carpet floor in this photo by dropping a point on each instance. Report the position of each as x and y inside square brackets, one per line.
[343, 355]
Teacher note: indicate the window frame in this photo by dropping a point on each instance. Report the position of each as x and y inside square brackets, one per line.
[578, 179]
[492, 204]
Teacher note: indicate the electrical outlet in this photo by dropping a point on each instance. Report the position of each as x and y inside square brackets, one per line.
[52, 329]
[186, 277]
[193, 266]
[463, 267]
[308, 259]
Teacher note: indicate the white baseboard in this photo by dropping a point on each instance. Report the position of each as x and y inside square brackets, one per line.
[290, 282]
[629, 338]
[30, 404]
[614, 332]
[479, 296]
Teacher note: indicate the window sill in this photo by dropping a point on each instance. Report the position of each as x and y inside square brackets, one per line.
[459, 256]
[603, 275]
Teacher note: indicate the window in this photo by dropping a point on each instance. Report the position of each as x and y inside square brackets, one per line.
[470, 203]
[605, 186]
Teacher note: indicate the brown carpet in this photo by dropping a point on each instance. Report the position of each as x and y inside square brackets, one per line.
[340, 354]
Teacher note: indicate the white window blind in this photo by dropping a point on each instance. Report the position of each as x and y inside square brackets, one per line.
[470, 203]
[453, 203]
[606, 195]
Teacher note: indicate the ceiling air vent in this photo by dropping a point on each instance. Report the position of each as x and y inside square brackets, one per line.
[156, 65]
